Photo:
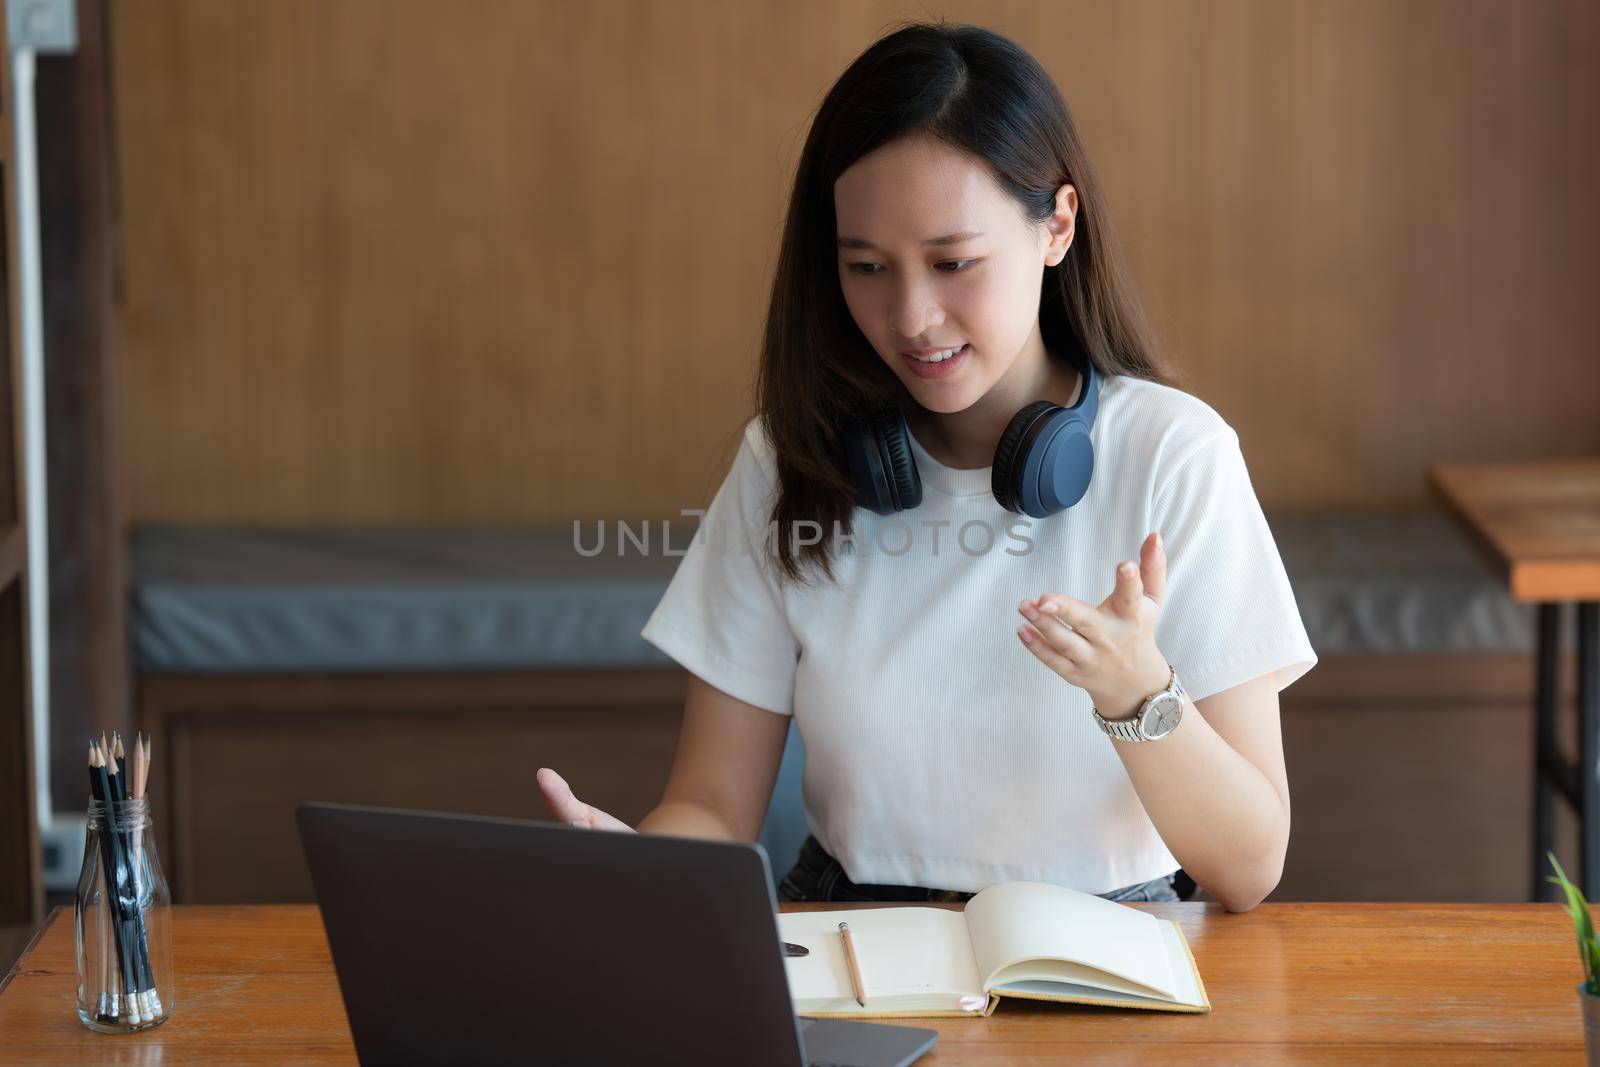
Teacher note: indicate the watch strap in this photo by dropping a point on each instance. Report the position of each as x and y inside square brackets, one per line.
[1128, 729]
[1121, 729]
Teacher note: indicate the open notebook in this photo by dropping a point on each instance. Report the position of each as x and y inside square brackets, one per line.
[1016, 939]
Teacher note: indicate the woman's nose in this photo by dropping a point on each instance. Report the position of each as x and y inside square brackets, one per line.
[915, 312]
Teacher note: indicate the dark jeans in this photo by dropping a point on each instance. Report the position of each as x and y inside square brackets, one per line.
[817, 876]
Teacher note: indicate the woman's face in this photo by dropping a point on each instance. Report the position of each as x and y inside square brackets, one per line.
[977, 289]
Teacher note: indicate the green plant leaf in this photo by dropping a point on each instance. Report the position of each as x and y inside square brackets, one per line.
[1583, 923]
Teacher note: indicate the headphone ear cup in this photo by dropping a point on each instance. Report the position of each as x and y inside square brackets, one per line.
[881, 464]
[905, 484]
[1007, 459]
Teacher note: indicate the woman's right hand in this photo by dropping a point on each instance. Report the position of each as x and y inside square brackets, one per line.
[572, 811]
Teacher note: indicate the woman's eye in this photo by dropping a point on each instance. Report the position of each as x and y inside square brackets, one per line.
[959, 265]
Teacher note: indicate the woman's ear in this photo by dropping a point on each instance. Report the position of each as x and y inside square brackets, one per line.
[1062, 225]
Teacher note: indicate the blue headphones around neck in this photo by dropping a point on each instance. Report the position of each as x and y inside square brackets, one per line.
[1042, 465]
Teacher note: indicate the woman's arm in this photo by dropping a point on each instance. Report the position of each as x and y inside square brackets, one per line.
[726, 765]
[1217, 791]
[1215, 787]
[721, 779]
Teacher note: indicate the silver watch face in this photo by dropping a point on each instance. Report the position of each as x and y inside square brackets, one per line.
[1161, 717]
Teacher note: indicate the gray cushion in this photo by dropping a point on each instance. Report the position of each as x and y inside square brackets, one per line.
[354, 598]
[223, 598]
[1397, 583]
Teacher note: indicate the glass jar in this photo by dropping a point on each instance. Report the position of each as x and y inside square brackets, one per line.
[122, 924]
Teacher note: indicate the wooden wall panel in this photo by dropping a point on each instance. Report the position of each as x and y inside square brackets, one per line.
[241, 751]
[402, 260]
[87, 582]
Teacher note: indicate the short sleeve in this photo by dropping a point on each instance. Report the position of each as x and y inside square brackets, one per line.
[1228, 612]
[722, 616]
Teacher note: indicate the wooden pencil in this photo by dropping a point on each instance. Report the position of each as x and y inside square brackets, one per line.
[102, 921]
[140, 782]
[117, 780]
[142, 749]
[851, 962]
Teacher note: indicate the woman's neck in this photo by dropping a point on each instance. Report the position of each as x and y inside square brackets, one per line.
[966, 439]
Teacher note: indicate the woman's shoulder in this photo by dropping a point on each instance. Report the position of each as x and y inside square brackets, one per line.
[1161, 423]
[756, 451]
[755, 436]
[753, 474]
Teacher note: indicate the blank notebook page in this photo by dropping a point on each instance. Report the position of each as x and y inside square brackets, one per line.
[901, 952]
[1021, 920]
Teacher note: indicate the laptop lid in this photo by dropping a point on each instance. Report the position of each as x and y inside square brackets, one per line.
[465, 939]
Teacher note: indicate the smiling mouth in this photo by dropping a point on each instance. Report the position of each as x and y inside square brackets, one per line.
[939, 357]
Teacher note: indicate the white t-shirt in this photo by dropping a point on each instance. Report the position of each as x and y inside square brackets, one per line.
[939, 751]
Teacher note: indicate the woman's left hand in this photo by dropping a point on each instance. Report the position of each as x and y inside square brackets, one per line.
[1108, 651]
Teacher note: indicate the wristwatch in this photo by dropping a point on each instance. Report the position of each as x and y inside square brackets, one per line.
[1156, 718]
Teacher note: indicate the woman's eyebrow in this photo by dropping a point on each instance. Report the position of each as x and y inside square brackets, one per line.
[947, 239]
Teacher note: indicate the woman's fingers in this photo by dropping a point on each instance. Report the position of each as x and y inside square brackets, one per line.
[1068, 611]
[1153, 566]
[1129, 590]
[1062, 637]
[558, 795]
[1047, 653]
[569, 809]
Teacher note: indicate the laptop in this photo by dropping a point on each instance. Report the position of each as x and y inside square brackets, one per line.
[462, 939]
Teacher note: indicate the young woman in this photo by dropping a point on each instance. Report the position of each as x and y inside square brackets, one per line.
[1045, 636]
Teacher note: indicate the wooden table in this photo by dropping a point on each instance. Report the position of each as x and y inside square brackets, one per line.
[1321, 983]
[1538, 523]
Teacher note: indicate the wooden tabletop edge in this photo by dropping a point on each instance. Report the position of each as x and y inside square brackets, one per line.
[27, 950]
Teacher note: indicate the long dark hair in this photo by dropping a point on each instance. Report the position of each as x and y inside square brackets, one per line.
[983, 95]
